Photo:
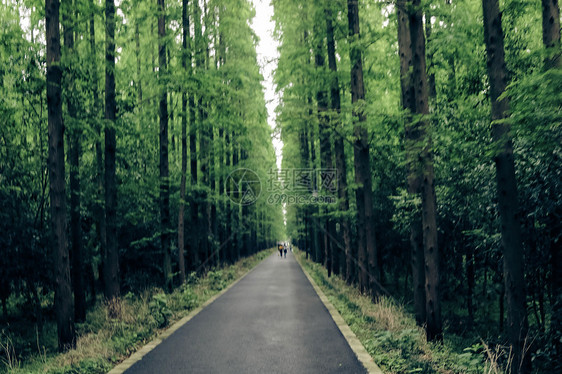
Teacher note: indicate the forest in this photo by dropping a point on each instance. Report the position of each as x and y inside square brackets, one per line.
[421, 162]
[120, 125]
[442, 120]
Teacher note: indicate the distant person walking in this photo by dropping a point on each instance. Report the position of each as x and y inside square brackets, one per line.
[285, 250]
[280, 248]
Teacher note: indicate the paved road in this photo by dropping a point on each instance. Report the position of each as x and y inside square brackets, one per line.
[270, 322]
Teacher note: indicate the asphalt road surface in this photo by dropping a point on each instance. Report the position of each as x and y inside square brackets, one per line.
[272, 321]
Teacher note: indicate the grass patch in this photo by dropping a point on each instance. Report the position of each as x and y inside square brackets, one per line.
[390, 334]
[115, 330]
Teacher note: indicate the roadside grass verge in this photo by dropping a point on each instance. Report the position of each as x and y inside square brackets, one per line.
[114, 330]
[390, 334]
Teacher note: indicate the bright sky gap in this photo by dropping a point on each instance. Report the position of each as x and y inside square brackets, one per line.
[268, 54]
[263, 26]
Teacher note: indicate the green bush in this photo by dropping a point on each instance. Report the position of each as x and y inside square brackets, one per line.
[184, 299]
[159, 310]
[189, 298]
[87, 366]
[192, 278]
[216, 280]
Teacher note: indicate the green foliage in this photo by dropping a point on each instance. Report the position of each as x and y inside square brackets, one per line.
[185, 298]
[405, 207]
[219, 279]
[90, 366]
[159, 310]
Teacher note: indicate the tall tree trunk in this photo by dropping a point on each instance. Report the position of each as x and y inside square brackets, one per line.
[235, 212]
[317, 254]
[138, 84]
[152, 54]
[230, 226]
[111, 260]
[63, 293]
[194, 206]
[221, 193]
[517, 325]
[74, 162]
[434, 328]
[556, 281]
[205, 179]
[181, 212]
[413, 168]
[208, 143]
[213, 227]
[551, 40]
[303, 138]
[551, 31]
[245, 215]
[305, 151]
[99, 212]
[365, 220]
[325, 149]
[203, 155]
[164, 166]
[195, 237]
[223, 136]
[339, 151]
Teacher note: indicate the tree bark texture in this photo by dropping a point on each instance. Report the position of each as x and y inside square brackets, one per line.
[111, 258]
[164, 164]
[325, 149]
[64, 313]
[517, 325]
[181, 212]
[434, 327]
[74, 150]
[339, 152]
[99, 212]
[365, 221]
[413, 166]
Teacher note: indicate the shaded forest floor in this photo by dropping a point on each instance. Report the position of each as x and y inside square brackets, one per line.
[390, 334]
[104, 341]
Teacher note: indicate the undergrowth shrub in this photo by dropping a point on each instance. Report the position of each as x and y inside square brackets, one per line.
[216, 280]
[184, 299]
[159, 310]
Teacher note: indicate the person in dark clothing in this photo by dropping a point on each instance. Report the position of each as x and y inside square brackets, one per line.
[285, 250]
[280, 248]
